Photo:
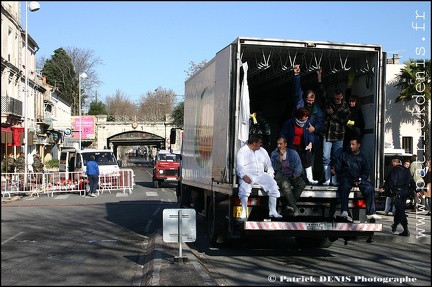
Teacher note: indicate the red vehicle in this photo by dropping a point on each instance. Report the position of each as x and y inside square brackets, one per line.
[166, 168]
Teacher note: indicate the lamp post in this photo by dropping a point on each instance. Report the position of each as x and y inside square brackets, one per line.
[81, 76]
[32, 6]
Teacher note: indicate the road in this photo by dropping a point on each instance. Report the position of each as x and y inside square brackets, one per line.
[116, 239]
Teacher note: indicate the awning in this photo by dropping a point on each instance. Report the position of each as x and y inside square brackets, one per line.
[12, 135]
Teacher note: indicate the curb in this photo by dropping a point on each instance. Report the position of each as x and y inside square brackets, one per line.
[168, 268]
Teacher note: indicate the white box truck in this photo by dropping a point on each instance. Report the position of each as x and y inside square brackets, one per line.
[212, 116]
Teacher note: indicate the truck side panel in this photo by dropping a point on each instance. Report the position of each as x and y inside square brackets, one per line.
[199, 112]
[224, 117]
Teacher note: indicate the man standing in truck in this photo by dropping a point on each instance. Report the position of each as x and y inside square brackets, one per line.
[254, 167]
[308, 100]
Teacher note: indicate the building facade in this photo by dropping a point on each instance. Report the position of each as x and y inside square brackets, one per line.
[45, 107]
[402, 125]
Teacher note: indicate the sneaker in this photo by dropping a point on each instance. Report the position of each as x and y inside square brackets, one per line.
[344, 214]
[92, 195]
[405, 233]
[374, 216]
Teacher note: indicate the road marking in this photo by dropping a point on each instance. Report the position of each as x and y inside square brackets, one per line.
[120, 194]
[151, 193]
[7, 240]
[63, 196]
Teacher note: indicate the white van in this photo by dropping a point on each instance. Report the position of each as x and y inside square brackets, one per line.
[75, 160]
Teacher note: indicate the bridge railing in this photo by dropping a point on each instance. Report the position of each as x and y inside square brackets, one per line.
[64, 182]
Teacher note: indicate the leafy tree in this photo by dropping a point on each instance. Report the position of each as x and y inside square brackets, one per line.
[62, 71]
[59, 72]
[414, 82]
[178, 115]
[97, 108]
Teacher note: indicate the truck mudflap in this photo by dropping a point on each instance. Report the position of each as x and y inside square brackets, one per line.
[312, 226]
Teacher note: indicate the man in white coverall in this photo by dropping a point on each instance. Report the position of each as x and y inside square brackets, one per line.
[254, 167]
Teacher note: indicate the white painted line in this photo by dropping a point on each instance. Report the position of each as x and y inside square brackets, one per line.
[7, 240]
[151, 193]
[63, 196]
[120, 194]
[147, 228]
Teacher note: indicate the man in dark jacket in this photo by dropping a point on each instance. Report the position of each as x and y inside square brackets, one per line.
[353, 169]
[398, 184]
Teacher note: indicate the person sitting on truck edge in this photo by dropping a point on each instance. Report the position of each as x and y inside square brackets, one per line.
[288, 169]
[337, 114]
[295, 131]
[93, 175]
[254, 167]
[397, 184]
[353, 169]
[310, 102]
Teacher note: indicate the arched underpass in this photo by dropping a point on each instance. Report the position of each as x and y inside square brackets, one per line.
[135, 138]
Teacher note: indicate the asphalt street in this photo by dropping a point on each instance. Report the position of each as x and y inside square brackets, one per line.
[168, 268]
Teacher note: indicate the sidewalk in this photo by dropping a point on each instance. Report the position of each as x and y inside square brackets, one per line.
[169, 269]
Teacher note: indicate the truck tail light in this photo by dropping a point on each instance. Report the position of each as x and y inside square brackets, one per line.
[359, 203]
[252, 201]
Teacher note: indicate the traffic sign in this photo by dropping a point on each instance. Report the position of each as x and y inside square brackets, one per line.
[179, 220]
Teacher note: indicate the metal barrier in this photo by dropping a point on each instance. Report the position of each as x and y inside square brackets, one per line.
[57, 182]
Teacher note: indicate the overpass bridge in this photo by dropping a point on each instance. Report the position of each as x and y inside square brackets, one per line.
[114, 131]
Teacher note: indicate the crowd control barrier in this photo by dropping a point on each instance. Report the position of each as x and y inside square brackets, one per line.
[50, 183]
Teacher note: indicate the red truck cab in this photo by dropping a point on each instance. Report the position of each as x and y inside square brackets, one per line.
[166, 167]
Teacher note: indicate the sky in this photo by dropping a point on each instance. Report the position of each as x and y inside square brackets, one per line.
[144, 45]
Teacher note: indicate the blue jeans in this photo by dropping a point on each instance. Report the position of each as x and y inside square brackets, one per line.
[366, 188]
[389, 206]
[331, 150]
[93, 182]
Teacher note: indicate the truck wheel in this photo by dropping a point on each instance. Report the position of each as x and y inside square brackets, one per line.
[215, 226]
[312, 242]
[156, 184]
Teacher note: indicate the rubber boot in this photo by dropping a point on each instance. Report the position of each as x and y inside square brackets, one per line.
[292, 203]
[327, 175]
[244, 201]
[309, 175]
[272, 207]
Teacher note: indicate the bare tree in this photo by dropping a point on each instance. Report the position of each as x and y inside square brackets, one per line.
[84, 61]
[120, 105]
[157, 104]
[193, 68]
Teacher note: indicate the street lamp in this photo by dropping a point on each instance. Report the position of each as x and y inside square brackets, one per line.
[81, 76]
[32, 6]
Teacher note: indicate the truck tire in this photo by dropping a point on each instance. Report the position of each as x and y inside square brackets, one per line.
[312, 242]
[216, 226]
[156, 184]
